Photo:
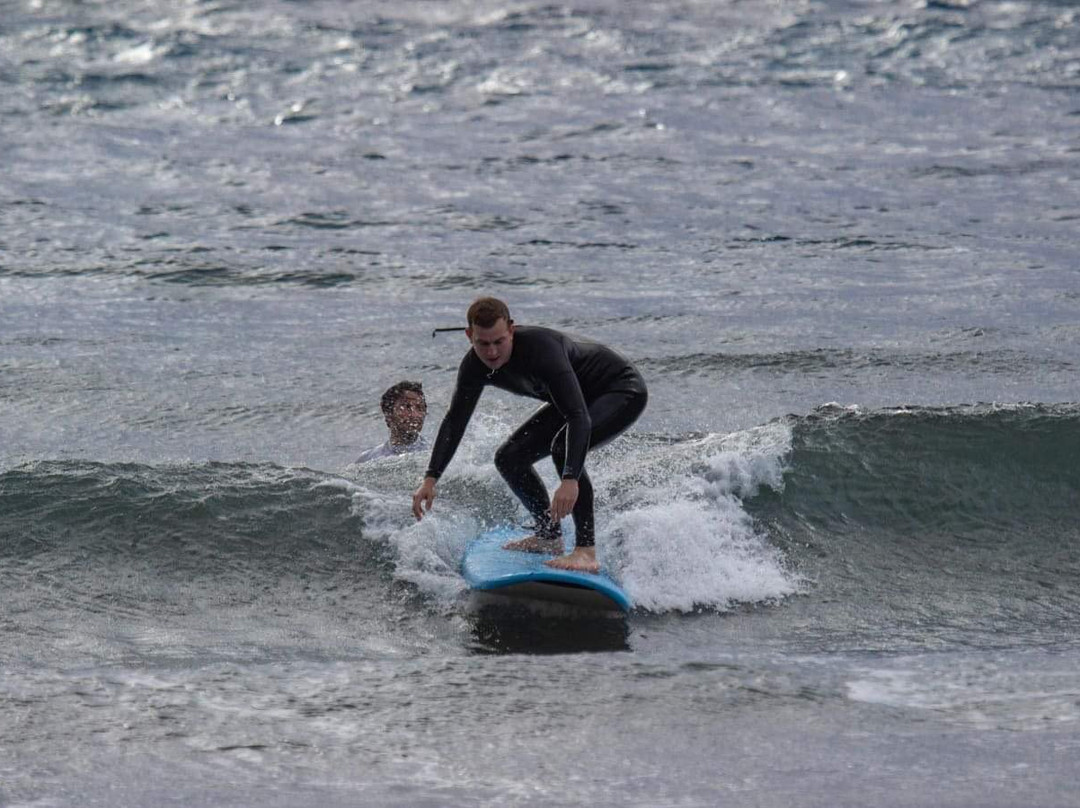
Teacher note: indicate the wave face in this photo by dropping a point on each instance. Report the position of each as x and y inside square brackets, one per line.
[961, 522]
[939, 519]
[964, 472]
[118, 560]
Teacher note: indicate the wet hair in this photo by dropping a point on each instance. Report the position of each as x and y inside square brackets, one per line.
[391, 396]
[486, 311]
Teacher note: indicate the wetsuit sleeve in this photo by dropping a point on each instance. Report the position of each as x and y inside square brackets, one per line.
[568, 399]
[462, 403]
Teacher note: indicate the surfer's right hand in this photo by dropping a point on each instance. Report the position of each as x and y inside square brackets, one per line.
[423, 498]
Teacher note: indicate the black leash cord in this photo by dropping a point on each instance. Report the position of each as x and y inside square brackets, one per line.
[438, 331]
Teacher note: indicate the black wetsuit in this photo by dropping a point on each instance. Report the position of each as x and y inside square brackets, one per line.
[592, 394]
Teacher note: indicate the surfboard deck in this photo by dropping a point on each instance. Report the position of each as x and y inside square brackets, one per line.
[487, 567]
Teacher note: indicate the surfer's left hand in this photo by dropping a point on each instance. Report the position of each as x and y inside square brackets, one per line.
[562, 502]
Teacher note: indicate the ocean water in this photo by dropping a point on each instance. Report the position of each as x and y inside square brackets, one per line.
[839, 238]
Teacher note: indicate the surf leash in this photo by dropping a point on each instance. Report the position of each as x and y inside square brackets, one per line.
[438, 331]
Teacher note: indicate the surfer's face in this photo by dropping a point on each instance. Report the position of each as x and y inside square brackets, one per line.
[492, 345]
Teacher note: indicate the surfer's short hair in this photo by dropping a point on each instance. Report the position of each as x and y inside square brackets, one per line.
[486, 311]
[391, 396]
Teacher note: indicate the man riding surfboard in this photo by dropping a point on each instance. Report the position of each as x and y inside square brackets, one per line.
[591, 395]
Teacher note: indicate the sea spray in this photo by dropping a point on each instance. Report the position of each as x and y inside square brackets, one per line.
[682, 540]
[427, 553]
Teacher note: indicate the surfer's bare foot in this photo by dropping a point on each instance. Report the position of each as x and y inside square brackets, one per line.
[582, 559]
[536, 544]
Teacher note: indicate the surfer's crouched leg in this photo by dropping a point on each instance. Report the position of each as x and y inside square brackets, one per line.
[514, 461]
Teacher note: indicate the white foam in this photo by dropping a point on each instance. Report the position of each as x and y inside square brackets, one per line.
[427, 553]
[684, 541]
[141, 54]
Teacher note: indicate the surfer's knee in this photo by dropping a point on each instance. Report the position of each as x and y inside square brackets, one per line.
[508, 458]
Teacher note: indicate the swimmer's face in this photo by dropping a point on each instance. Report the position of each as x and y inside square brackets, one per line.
[493, 345]
[406, 418]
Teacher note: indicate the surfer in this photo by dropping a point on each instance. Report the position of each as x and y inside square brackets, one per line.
[591, 395]
[404, 408]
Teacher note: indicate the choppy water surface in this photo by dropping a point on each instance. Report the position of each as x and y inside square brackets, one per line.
[838, 238]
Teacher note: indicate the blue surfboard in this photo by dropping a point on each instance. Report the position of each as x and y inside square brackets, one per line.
[487, 567]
